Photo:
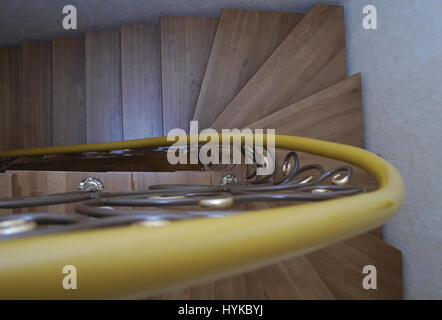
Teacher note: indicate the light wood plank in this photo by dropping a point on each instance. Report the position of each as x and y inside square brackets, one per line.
[185, 48]
[333, 114]
[235, 288]
[143, 180]
[271, 282]
[340, 266]
[141, 81]
[103, 86]
[11, 131]
[37, 95]
[308, 283]
[68, 94]
[299, 67]
[243, 42]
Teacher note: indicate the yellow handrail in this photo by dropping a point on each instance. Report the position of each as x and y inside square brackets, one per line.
[134, 262]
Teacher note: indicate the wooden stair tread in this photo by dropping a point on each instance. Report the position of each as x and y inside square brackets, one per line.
[340, 266]
[141, 81]
[243, 42]
[68, 91]
[308, 283]
[142, 180]
[311, 58]
[333, 114]
[37, 120]
[185, 48]
[103, 86]
[11, 133]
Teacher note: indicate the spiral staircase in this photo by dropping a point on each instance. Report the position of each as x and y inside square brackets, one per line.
[245, 69]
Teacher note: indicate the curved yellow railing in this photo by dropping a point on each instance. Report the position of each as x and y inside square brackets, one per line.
[135, 262]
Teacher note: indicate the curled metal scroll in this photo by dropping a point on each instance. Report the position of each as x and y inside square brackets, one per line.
[163, 204]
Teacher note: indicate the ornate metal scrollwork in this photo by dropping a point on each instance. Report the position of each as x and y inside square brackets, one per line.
[162, 204]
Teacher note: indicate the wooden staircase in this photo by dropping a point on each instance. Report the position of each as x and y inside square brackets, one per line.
[253, 69]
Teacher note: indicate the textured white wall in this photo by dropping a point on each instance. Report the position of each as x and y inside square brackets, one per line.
[401, 65]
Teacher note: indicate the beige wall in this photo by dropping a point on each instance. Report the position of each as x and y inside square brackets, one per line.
[401, 65]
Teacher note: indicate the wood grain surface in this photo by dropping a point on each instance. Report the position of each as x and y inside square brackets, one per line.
[103, 86]
[37, 95]
[333, 114]
[68, 91]
[185, 48]
[311, 58]
[11, 129]
[8, 188]
[243, 42]
[141, 81]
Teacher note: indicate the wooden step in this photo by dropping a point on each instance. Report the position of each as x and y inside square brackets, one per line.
[295, 279]
[185, 48]
[334, 272]
[333, 114]
[310, 59]
[37, 95]
[11, 132]
[68, 91]
[8, 188]
[141, 81]
[291, 279]
[103, 86]
[243, 42]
